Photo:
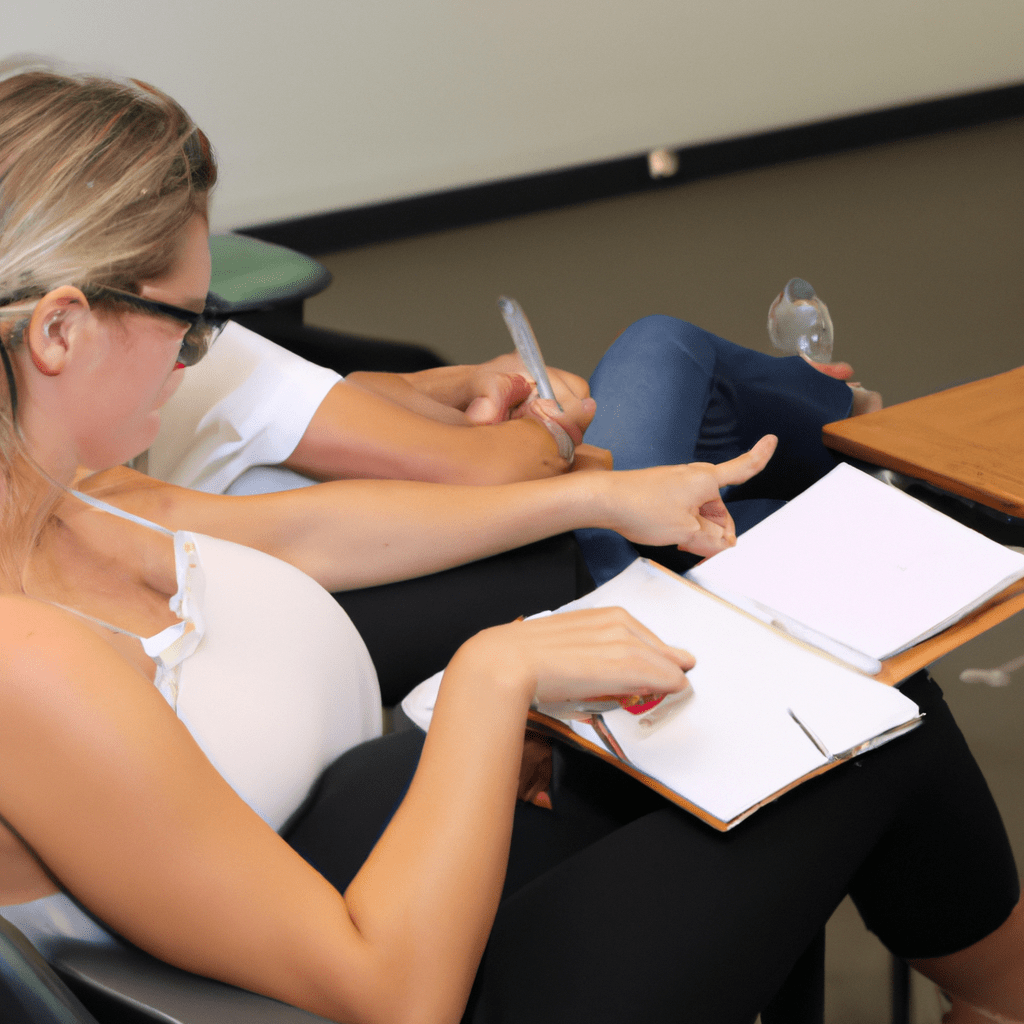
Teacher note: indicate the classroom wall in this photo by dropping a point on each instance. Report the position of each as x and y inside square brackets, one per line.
[317, 105]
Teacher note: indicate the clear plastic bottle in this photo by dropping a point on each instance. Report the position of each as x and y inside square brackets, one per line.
[799, 324]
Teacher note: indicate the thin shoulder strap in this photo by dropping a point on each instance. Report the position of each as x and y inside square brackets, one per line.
[120, 513]
[92, 618]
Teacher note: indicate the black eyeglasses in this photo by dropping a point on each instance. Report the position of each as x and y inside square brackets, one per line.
[202, 330]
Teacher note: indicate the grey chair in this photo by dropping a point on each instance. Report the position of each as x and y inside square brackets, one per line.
[120, 984]
[30, 990]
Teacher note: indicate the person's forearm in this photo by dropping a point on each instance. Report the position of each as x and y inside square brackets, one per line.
[112, 778]
[359, 434]
[450, 836]
[361, 533]
[452, 831]
[439, 393]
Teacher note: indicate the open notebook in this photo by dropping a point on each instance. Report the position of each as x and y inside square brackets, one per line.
[858, 567]
[734, 744]
[769, 709]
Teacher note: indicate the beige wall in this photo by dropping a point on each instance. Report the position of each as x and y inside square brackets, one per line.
[323, 104]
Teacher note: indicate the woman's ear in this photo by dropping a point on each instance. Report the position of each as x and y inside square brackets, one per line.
[52, 328]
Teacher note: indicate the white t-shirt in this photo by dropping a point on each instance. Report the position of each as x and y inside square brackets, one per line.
[245, 405]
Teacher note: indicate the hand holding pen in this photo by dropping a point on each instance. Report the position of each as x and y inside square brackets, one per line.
[526, 345]
[546, 408]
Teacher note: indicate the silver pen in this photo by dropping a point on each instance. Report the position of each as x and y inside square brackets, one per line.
[527, 347]
[822, 749]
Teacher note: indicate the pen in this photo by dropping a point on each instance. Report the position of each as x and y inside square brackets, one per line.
[527, 347]
[597, 723]
[822, 749]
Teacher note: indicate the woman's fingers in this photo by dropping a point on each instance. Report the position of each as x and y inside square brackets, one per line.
[575, 655]
[498, 394]
[715, 512]
[743, 467]
[634, 626]
[715, 530]
[573, 393]
[580, 654]
[573, 418]
[840, 371]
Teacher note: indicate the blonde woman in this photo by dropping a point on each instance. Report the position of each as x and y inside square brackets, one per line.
[182, 705]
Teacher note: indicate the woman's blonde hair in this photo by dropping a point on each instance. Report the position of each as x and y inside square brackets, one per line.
[98, 179]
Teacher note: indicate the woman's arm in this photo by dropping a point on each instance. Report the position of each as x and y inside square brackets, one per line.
[416, 426]
[484, 392]
[357, 433]
[360, 533]
[107, 786]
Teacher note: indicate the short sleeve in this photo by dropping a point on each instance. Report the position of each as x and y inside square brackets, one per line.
[246, 404]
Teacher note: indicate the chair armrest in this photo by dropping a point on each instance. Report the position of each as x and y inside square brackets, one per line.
[137, 986]
[30, 990]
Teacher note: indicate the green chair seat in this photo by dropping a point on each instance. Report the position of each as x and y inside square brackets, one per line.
[250, 275]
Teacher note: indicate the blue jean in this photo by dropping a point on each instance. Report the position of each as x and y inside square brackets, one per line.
[668, 392]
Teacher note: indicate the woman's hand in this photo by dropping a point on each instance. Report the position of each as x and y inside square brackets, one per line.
[501, 386]
[864, 401]
[681, 505]
[505, 392]
[575, 655]
[568, 656]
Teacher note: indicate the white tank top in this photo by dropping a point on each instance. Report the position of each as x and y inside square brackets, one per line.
[265, 670]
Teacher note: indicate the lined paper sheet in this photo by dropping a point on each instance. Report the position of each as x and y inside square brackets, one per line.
[863, 563]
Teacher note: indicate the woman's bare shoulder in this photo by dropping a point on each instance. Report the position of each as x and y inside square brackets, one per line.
[48, 656]
[25, 619]
[36, 636]
[124, 482]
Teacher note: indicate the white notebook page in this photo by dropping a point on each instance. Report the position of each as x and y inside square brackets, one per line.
[863, 563]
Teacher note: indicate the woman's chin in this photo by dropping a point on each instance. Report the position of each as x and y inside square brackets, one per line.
[109, 458]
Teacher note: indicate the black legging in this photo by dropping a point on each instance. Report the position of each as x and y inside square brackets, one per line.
[620, 907]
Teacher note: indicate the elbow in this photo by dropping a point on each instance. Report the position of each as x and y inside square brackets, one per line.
[399, 997]
[399, 981]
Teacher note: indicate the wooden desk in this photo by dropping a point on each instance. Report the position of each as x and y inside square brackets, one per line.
[968, 440]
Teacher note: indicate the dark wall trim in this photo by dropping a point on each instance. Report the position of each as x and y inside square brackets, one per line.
[343, 229]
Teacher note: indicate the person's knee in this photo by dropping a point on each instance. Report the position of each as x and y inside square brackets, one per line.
[656, 344]
[668, 337]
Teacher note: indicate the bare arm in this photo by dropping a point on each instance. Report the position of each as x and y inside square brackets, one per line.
[417, 426]
[359, 433]
[484, 392]
[360, 533]
[106, 785]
